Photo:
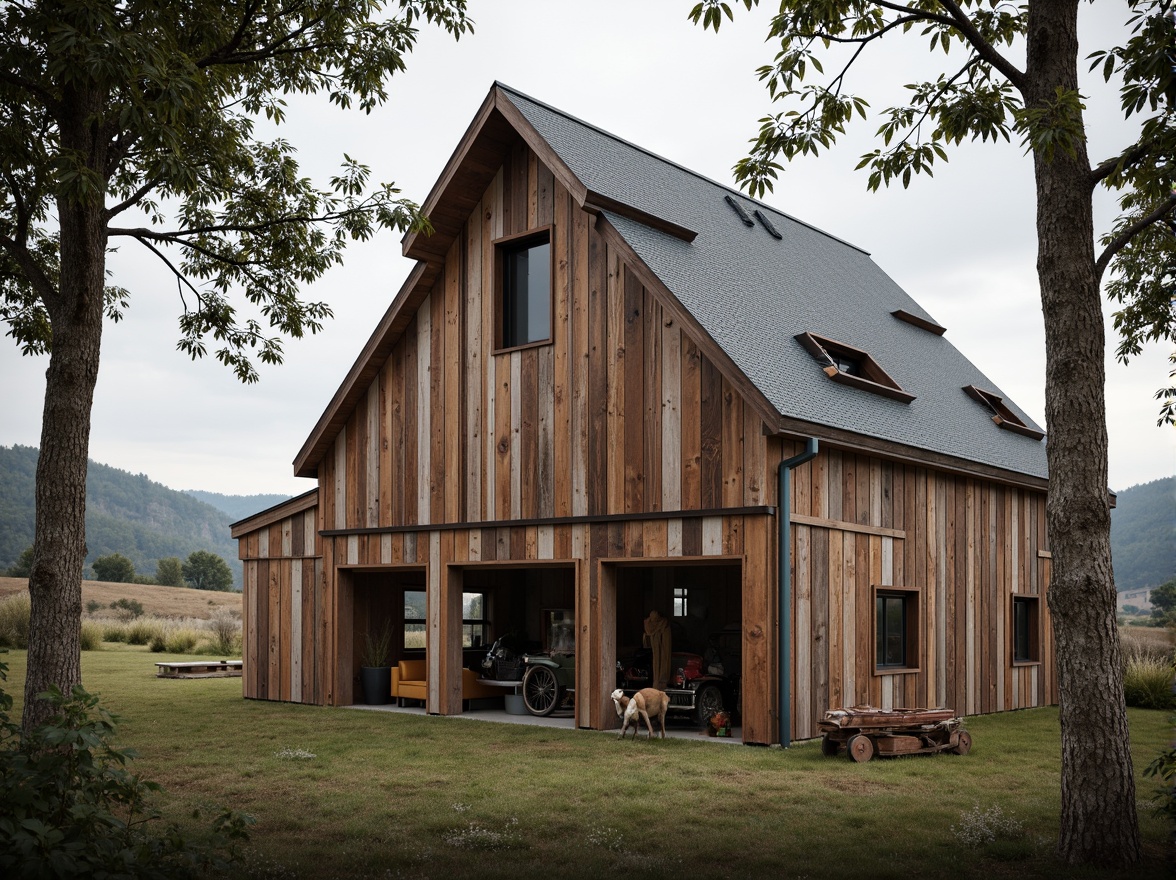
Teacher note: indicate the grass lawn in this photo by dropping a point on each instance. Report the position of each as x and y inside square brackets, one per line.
[351, 794]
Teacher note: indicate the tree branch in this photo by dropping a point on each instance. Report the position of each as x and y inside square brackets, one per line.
[134, 199]
[1123, 238]
[960, 21]
[40, 282]
[181, 278]
[31, 87]
[1104, 170]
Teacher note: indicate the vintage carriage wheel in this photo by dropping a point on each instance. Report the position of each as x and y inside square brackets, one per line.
[540, 690]
[829, 746]
[860, 748]
[963, 743]
[707, 702]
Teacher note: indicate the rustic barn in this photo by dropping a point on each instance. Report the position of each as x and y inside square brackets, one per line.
[588, 398]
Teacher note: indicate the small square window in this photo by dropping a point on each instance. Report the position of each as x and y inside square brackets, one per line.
[681, 602]
[524, 290]
[851, 366]
[1026, 630]
[896, 634]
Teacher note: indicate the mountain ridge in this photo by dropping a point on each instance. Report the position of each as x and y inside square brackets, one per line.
[125, 513]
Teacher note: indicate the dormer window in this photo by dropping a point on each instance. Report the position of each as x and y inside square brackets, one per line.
[851, 366]
[1001, 414]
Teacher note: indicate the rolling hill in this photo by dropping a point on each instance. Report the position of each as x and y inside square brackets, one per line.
[125, 513]
[1143, 535]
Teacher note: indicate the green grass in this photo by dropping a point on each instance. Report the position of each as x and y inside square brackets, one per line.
[389, 795]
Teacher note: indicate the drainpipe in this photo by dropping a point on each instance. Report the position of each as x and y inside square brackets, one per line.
[784, 578]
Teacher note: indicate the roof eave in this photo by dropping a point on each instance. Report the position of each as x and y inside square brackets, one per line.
[281, 510]
[371, 359]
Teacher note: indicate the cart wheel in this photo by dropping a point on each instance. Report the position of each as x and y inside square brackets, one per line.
[860, 749]
[829, 746]
[540, 690]
[963, 743]
[707, 702]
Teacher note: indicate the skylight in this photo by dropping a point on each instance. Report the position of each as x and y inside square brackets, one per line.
[851, 366]
[1001, 414]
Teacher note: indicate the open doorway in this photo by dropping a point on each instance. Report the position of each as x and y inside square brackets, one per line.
[679, 629]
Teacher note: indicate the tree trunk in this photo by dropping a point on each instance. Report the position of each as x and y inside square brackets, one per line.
[1098, 823]
[59, 545]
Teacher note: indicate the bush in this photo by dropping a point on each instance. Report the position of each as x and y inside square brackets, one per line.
[91, 638]
[157, 645]
[72, 809]
[1147, 677]
[14, 621]
[113, 632]
[225, 627]
[94, 606]
[127, 609]
[142, 631]
[179, 642]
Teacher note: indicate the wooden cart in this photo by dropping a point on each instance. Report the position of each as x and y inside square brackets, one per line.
[865, 731]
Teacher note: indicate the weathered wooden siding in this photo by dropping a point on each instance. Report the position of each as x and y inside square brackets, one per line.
[620, 414]
[967, 545]
[283, 611]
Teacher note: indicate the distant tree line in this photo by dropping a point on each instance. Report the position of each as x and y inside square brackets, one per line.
[202, 570]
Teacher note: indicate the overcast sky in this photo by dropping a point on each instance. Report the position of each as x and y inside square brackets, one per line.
[962, 244]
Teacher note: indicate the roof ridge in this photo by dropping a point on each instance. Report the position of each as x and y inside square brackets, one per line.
[730, 189]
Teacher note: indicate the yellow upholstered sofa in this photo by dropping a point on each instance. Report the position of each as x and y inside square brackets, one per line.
[410, 682]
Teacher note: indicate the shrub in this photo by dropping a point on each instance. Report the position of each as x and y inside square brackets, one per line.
[113, 632]
[94, 606]
[225, 626]
[1147, 684]
[91, 638]
[142, 631]
[72, 809]
[157, 645]
[180, 641]
[14, 621]
[127, 609]
[1163, 770]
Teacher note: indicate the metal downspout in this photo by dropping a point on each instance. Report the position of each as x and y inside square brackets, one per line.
[784, 579]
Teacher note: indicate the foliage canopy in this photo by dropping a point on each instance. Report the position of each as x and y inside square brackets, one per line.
[114, 568]
[207, 571]
[169, 99]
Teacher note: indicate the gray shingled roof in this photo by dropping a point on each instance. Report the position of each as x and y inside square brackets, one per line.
[753, 294]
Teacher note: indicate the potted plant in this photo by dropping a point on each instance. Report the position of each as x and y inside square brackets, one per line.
[375, 673]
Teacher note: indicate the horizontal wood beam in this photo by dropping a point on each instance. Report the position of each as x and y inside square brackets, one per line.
[763, 510]
[846, 526]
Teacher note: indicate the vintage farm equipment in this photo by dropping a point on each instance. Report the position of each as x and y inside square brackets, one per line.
[864, 731]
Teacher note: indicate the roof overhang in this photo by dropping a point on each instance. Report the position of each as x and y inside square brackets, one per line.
[269, 516]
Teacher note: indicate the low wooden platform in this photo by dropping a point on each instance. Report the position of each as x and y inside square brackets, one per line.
[199, 669]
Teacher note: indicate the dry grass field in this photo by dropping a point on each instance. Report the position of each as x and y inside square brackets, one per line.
[171, 602]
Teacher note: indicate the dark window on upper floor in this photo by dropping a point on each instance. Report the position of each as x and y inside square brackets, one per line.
[524, 290]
